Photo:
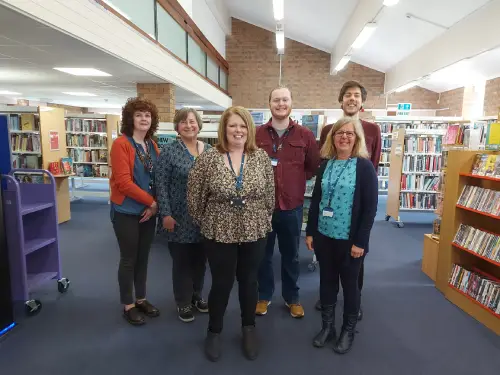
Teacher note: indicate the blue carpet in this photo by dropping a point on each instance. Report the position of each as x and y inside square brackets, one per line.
[409, 328]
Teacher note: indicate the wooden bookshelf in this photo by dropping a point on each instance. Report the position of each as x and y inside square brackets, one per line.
[458, 170]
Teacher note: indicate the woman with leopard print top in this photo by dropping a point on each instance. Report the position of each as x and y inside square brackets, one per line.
[231, 197]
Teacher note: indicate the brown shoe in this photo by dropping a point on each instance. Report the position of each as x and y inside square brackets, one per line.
[262, 307]
[296, 310]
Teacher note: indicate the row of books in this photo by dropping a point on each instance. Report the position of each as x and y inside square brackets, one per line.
[386, 127]
[85, 125]
[423, 144]
[419, 182]
[422, 163]
[86, 140]
[383, 171]
[383, 184]
[27, 161]
[483, 289]
[487, 165]
[482, 243]
[386, 142]
[25, 142]
[480, 199]
[24, 122]
[417, 201]
[88, 156]
[91, 170]
[385, 157]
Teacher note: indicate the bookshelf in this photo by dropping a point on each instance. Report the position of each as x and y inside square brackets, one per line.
[469, 227]
[414, 171]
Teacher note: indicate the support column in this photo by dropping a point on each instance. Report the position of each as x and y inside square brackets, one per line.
[162, 95]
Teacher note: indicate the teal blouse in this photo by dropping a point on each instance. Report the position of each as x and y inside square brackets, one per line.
[338, 225]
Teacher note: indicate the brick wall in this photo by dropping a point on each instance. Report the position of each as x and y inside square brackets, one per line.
[451, 103]
[254, 64]
[162, 95]
[492, 97]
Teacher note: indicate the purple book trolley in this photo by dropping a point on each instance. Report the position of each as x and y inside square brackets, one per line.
[32, 235]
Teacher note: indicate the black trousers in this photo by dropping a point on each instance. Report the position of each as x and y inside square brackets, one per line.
[228, 261]
[336, 262]
[188, 271]
[134, 240]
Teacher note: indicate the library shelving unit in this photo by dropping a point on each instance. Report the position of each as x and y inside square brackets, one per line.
[32, 236]
[414, 171]
[37, 138]
[89, 138]
[467, 272]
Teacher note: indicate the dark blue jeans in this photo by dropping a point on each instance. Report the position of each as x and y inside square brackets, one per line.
[287, 226]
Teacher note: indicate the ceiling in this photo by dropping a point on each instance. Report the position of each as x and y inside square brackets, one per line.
[402, 29]
[30, 50]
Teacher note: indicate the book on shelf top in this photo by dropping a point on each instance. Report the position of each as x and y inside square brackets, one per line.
[487, 165]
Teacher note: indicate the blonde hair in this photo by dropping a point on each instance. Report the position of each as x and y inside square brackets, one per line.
[329, 151]
[250, 144]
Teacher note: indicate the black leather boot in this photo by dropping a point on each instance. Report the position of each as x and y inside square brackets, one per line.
[250, 342]
[344, 343]
[212, 346]
[327, 332]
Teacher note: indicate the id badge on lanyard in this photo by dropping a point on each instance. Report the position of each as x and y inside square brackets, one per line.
[328, 210]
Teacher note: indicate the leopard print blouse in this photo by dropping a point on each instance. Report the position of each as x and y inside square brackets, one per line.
[211, 186]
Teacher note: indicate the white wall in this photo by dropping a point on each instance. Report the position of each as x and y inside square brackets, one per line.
[209, 25]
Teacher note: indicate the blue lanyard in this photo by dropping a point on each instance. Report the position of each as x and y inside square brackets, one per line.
[331, 188]
[187, 151]
[239, 179]
[283, 137]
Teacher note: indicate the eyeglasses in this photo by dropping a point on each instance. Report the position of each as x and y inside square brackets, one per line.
[341, 133]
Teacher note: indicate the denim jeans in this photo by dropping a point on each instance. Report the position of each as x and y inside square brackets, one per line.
[287, 226]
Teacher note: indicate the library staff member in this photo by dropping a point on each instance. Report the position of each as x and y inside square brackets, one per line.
[341, 215]
[231, 196]
[133, 204]
[176, 225]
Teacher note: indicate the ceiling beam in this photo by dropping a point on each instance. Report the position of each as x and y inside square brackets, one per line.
[366, 11]
[461, 41]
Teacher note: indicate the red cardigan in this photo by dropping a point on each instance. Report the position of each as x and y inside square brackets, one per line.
[122, 175]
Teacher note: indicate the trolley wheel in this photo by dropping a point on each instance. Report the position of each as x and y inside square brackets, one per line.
[311, 267]
[400, 225]
[33, 307]
[63, 285]
[387, 217]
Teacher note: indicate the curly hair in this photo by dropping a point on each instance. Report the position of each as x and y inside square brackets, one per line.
[138, 105]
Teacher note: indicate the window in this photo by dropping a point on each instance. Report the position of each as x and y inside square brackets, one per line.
[171, 34]
[223, 80]
[196, 57]
[212, 70]
[141, 13]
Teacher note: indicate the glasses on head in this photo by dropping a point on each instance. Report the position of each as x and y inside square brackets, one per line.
[348, 134]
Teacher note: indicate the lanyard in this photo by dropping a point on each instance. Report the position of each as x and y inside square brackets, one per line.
[239, 179]
[144, 156]
[281, 140]
[192, 157]
[331, 188]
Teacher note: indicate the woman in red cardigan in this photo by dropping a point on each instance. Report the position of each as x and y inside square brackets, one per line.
[133, 204]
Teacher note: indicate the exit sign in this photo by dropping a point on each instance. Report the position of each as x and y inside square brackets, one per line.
[403, 109]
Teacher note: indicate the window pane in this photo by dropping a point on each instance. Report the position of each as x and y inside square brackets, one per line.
[171, 34]
[212, 70]
[196, 56]
[141, 13]
[223, 79]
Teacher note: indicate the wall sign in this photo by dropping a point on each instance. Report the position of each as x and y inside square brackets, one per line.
[54, 140]
[403, 109]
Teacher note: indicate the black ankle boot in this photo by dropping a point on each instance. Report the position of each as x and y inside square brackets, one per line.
[250, 342]
[327, 332]
[344, 343]
[212, 346]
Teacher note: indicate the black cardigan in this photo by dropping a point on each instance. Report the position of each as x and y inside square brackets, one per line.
[364, 207]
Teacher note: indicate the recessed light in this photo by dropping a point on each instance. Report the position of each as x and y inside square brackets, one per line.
[75, 93]
[5, 92]
[192, 106]
[89, 72]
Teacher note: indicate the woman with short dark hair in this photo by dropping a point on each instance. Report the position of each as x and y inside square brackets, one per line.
[133, 204]
[183, 235]
[341, 215]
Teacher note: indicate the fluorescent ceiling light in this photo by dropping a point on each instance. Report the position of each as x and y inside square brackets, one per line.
[75, 93]
[364, 35]
[407, 86]
[279, 9]
[89, 72]
[5, 92]
[390, 3]
[280, 40]
[342, 63]
[460, 73]
[192, 106]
